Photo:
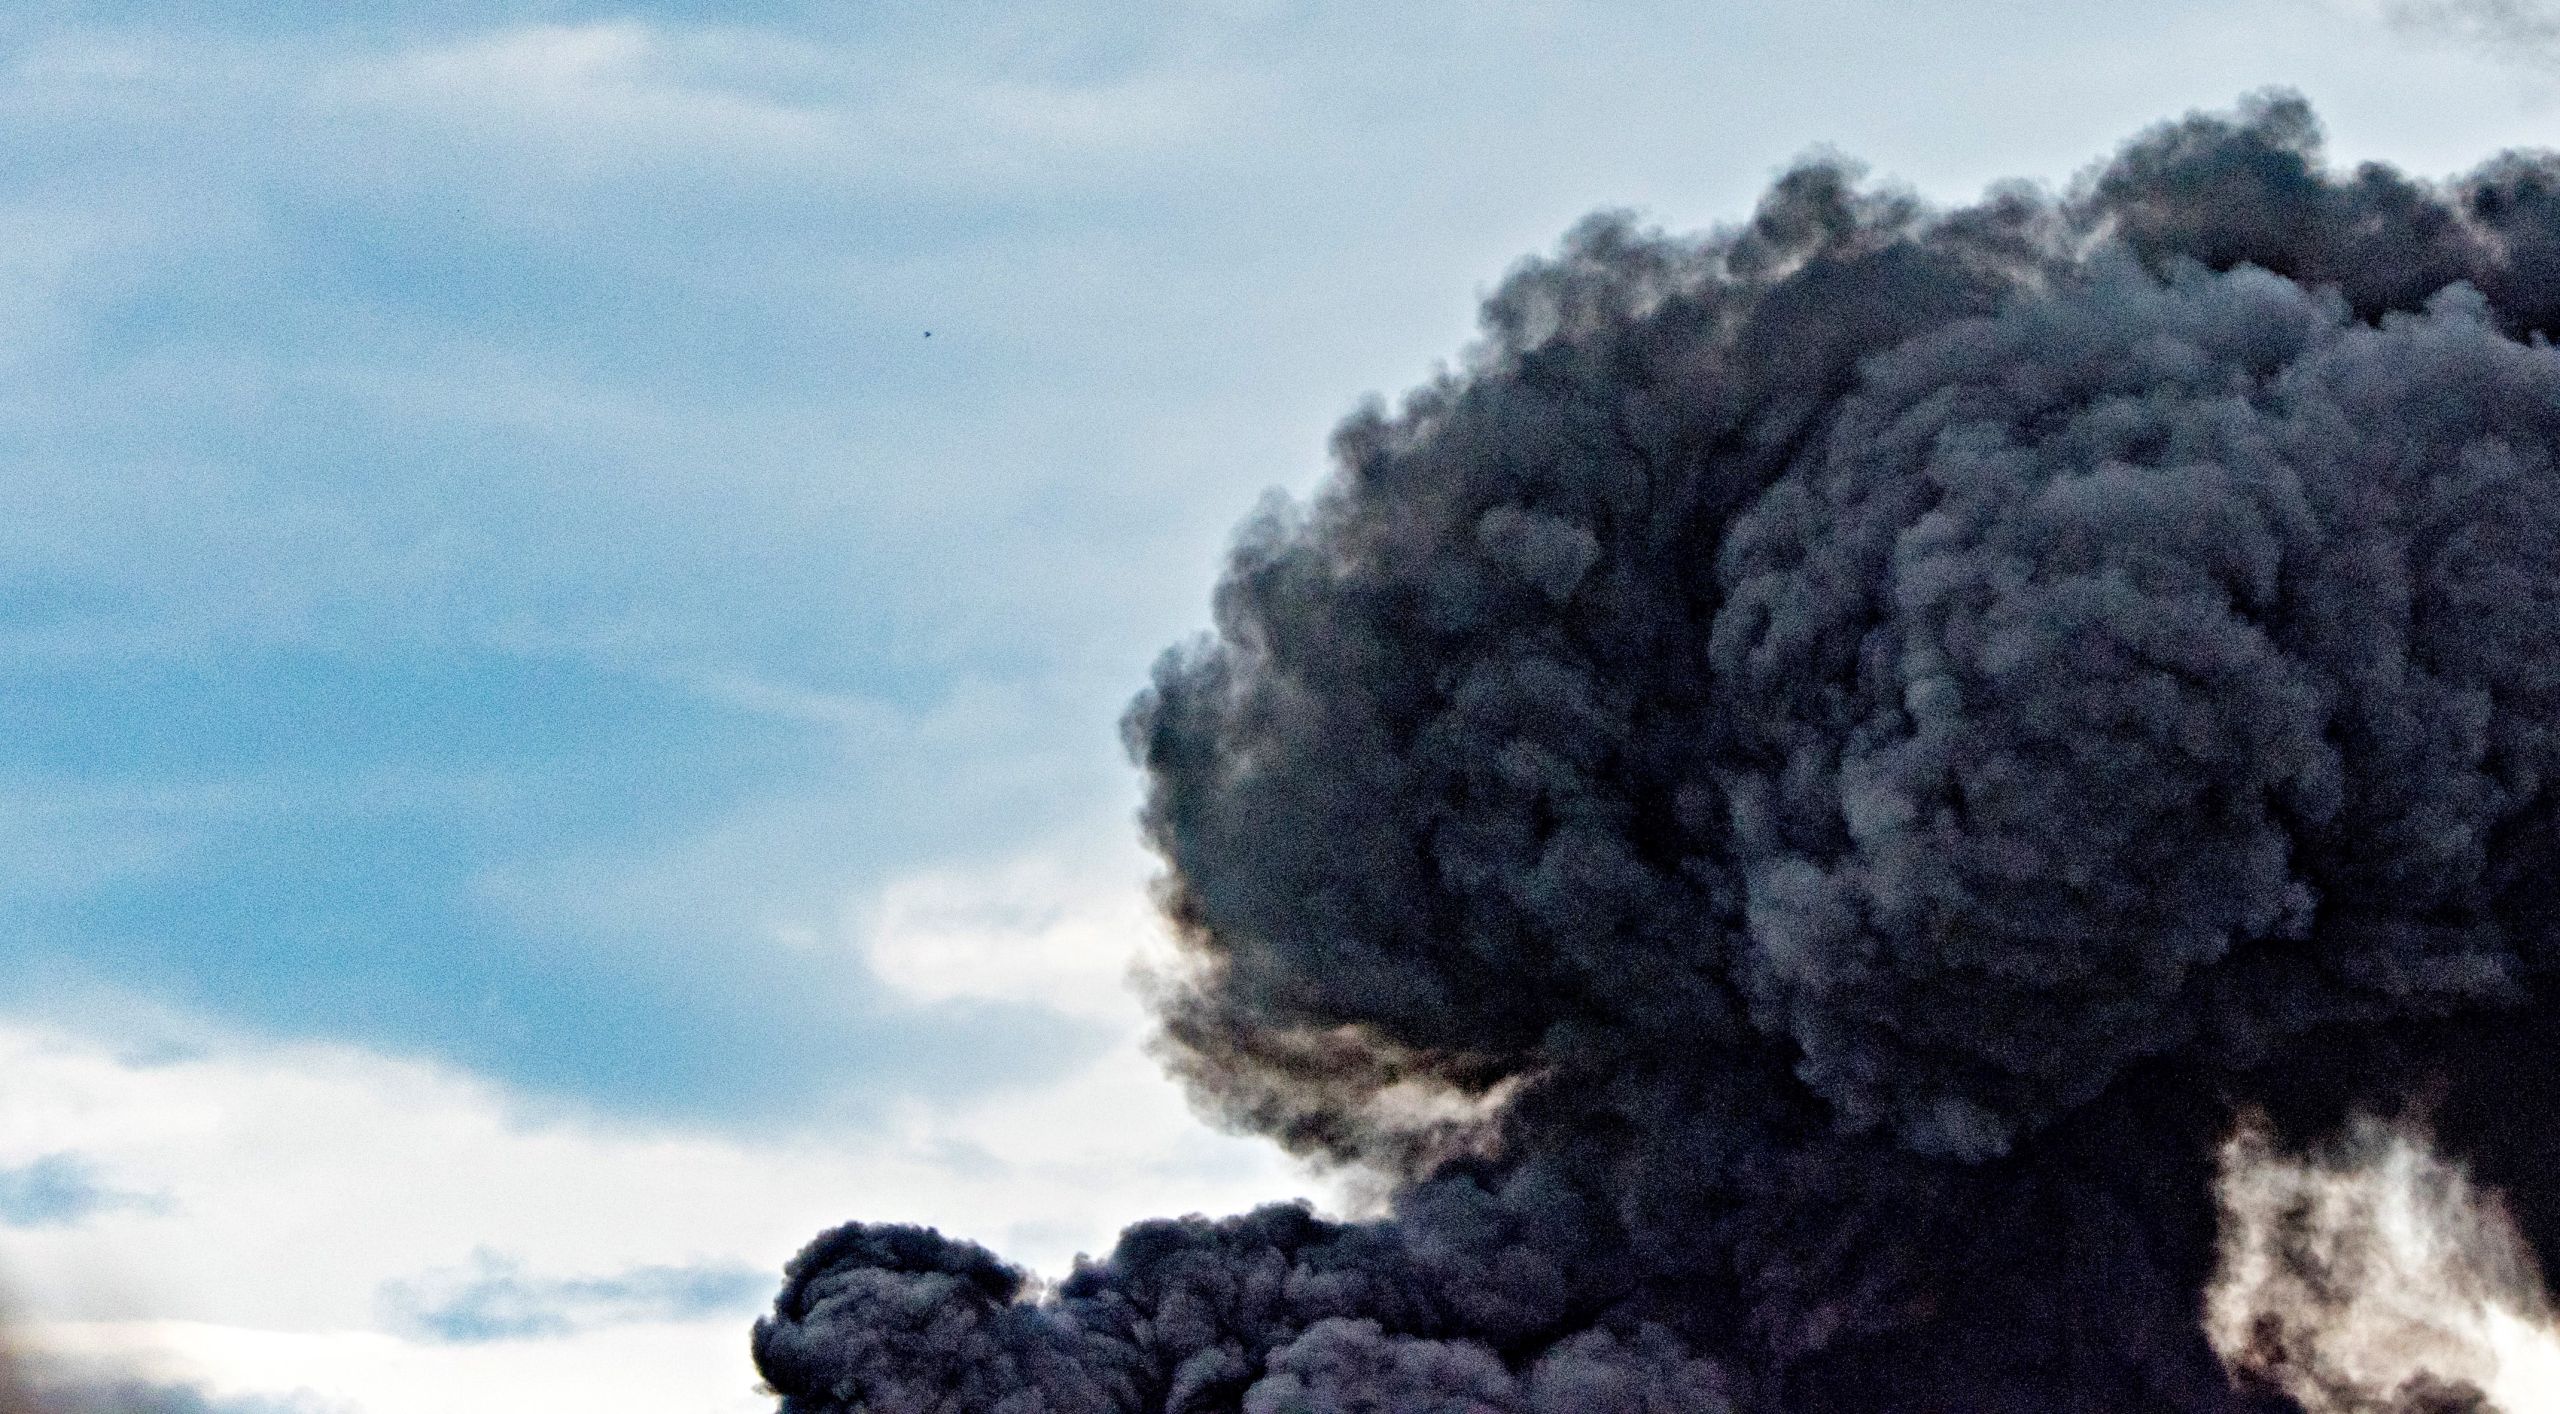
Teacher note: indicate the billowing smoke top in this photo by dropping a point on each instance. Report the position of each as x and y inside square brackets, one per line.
[1786, 804]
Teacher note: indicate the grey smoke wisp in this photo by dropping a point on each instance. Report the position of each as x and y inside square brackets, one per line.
[1854, 746]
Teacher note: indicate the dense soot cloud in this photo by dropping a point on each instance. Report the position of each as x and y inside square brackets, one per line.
[1792, 804]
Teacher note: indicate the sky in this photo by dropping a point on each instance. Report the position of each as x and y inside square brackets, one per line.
[567, 572]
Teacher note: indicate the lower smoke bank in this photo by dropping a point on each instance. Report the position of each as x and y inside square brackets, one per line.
[1790, 808]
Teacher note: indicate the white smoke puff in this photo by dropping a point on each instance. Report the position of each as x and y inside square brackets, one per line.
[1044, 930]
[2374, 1275]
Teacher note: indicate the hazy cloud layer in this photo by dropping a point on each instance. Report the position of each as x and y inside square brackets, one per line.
[118, 1396]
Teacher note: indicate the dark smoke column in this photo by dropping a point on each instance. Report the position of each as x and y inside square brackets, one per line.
[1845, 752]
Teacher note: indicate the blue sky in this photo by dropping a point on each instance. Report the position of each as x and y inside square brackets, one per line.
[502, 602]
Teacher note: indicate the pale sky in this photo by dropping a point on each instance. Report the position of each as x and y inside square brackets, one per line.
[555, 743]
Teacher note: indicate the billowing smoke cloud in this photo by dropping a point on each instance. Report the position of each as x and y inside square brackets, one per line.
[1791, 804]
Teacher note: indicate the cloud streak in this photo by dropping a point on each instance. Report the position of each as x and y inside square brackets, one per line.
[495, 1298]
[2517, 31]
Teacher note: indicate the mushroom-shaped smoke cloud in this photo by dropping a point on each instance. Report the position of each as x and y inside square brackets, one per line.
[1859, 743]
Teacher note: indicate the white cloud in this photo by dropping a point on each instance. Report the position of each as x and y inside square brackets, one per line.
[595, 100]
[598, 95]
[300, 1181]
[687, 1368]
[1037, 929]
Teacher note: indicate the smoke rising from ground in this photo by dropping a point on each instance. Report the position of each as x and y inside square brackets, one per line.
[1789, 806]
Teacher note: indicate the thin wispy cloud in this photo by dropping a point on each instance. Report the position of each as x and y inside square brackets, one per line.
[494, 1297]
[2526, 31]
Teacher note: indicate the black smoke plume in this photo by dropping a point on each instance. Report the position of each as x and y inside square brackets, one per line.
[1792, 804]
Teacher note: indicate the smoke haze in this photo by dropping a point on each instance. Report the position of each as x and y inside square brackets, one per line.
[1791, 806]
